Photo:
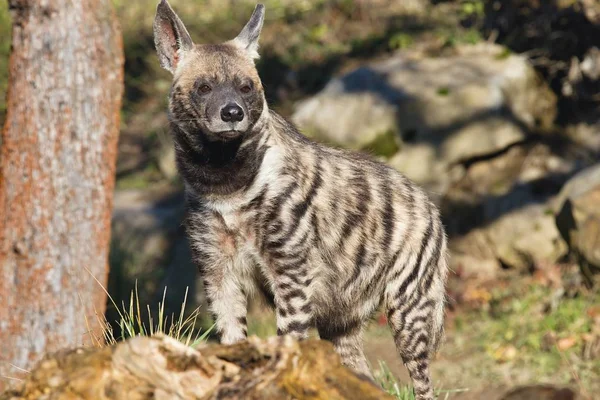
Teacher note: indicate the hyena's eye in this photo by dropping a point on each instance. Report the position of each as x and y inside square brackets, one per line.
[246, 89]
[205, 89]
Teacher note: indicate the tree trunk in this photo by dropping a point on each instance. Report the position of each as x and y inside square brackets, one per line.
[57, 164]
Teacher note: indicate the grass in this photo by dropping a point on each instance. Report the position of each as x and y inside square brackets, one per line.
[386, 379]
[131, 323]
[533, 333]
[523, 319]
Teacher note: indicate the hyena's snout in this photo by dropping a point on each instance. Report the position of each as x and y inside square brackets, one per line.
[228, 116]
[232, 112]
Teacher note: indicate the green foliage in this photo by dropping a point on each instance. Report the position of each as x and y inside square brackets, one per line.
[443, 91]
[400, 41]
[347, 7]
[318, 33]
[470, 8]
[457, 37]
[385, 144]
[504, 54]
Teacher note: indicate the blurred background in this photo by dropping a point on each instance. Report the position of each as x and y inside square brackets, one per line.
[492, 106]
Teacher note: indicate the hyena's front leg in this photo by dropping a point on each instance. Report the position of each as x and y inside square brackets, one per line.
[228, 305]
[293, 306]
[213, 250]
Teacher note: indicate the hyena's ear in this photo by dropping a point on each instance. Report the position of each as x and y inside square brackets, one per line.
[248, 37]
[171, 39]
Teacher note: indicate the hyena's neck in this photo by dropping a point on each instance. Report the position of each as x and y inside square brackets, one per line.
[219, 168]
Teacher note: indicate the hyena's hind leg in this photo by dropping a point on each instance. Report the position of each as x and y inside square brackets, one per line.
[349, 345]
[416, 334]
[417, 322]
[415, 300]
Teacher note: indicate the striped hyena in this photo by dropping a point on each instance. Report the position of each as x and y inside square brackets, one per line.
[330, 235]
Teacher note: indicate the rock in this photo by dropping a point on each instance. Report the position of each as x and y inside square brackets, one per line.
[519, 239]
[578, 217]
[526, 237]
[583, 78]
[146, 211]
[473, 256]
[526, 26]
[353, 110]
[585, 133]
[540, 392]
[166, 162]
[500, 214]
[149, 249]
[591, 10]
[445, 109]
[162, 368]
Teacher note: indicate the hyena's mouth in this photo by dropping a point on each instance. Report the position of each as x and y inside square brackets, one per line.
[229, 135]
[227, 130]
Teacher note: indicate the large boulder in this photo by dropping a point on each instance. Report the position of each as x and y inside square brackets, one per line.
[445, 109]
[578, 217]
[162, 368]
[499, 214]
[540, 392]
[522, 239]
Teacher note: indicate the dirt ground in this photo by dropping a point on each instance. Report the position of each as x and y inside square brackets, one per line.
[448, 373]
[486, 352]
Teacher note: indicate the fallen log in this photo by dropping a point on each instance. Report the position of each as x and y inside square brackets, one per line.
[162, 368]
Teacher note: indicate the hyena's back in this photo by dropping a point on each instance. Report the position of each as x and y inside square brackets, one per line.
[372, 238]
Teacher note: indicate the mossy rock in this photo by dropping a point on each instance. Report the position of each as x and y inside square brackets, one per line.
[385, 144]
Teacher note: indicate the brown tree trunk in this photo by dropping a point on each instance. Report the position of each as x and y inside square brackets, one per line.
[57, 164]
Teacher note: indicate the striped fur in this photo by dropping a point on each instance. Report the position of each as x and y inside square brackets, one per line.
[331, 235]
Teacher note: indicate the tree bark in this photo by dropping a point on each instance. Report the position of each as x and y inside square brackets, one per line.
[57, 164]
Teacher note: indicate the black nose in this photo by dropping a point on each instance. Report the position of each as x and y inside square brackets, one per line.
[232, 112]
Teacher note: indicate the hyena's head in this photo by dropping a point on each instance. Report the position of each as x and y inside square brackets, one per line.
[216, 93]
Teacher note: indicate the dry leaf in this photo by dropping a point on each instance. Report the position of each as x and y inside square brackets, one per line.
[475, 295]
[566, 343]
[593, 312]
[505, 353]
